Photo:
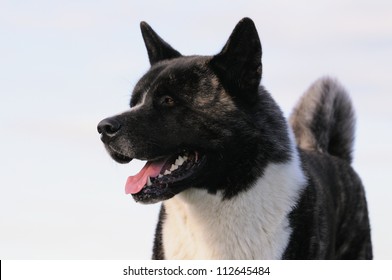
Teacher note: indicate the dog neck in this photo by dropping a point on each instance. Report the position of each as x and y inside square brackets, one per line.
[253, 224]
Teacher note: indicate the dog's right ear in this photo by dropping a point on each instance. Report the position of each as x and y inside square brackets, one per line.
[157, 48]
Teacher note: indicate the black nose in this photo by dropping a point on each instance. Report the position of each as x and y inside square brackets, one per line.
[108, 127]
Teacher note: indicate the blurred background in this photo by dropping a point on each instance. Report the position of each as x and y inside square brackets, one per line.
[65, 65]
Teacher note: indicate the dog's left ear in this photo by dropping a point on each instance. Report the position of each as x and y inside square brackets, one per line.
[157, 48]
[239, 62]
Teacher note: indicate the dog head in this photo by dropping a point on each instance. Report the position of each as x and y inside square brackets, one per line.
[191, 118]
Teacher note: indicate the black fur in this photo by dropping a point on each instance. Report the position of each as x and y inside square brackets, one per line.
[238, 65]
[157, 48]
[158, 253]
[331, 218]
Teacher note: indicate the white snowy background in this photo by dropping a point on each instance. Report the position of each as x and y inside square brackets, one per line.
[65, 65]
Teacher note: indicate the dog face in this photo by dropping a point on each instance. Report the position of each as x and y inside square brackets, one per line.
[191, 118]
[168, 112]
[168, 124]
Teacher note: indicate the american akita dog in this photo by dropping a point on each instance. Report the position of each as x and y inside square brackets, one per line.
[237, 180]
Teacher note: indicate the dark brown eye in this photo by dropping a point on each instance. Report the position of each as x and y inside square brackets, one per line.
[168, 101]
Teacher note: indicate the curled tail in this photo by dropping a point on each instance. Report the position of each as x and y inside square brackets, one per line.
[324, 121]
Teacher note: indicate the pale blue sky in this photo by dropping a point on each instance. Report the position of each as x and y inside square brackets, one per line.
[65, 65]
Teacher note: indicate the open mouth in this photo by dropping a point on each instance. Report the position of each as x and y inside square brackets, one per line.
[152, 183]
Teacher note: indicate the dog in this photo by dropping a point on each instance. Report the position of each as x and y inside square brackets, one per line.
[235, 178]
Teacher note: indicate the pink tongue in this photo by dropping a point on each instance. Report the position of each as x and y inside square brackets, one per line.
[137, 182]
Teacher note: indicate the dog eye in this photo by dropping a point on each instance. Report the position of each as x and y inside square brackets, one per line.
[168, 101]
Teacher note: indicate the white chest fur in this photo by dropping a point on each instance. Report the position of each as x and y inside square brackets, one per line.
[252, 225]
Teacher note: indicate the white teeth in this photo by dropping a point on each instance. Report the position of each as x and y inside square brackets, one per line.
[180, 161]
[173, 167]
[167, 172]
[149, 181]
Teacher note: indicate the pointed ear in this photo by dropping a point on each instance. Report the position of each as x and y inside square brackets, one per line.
[157, 48]
[239, 62]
